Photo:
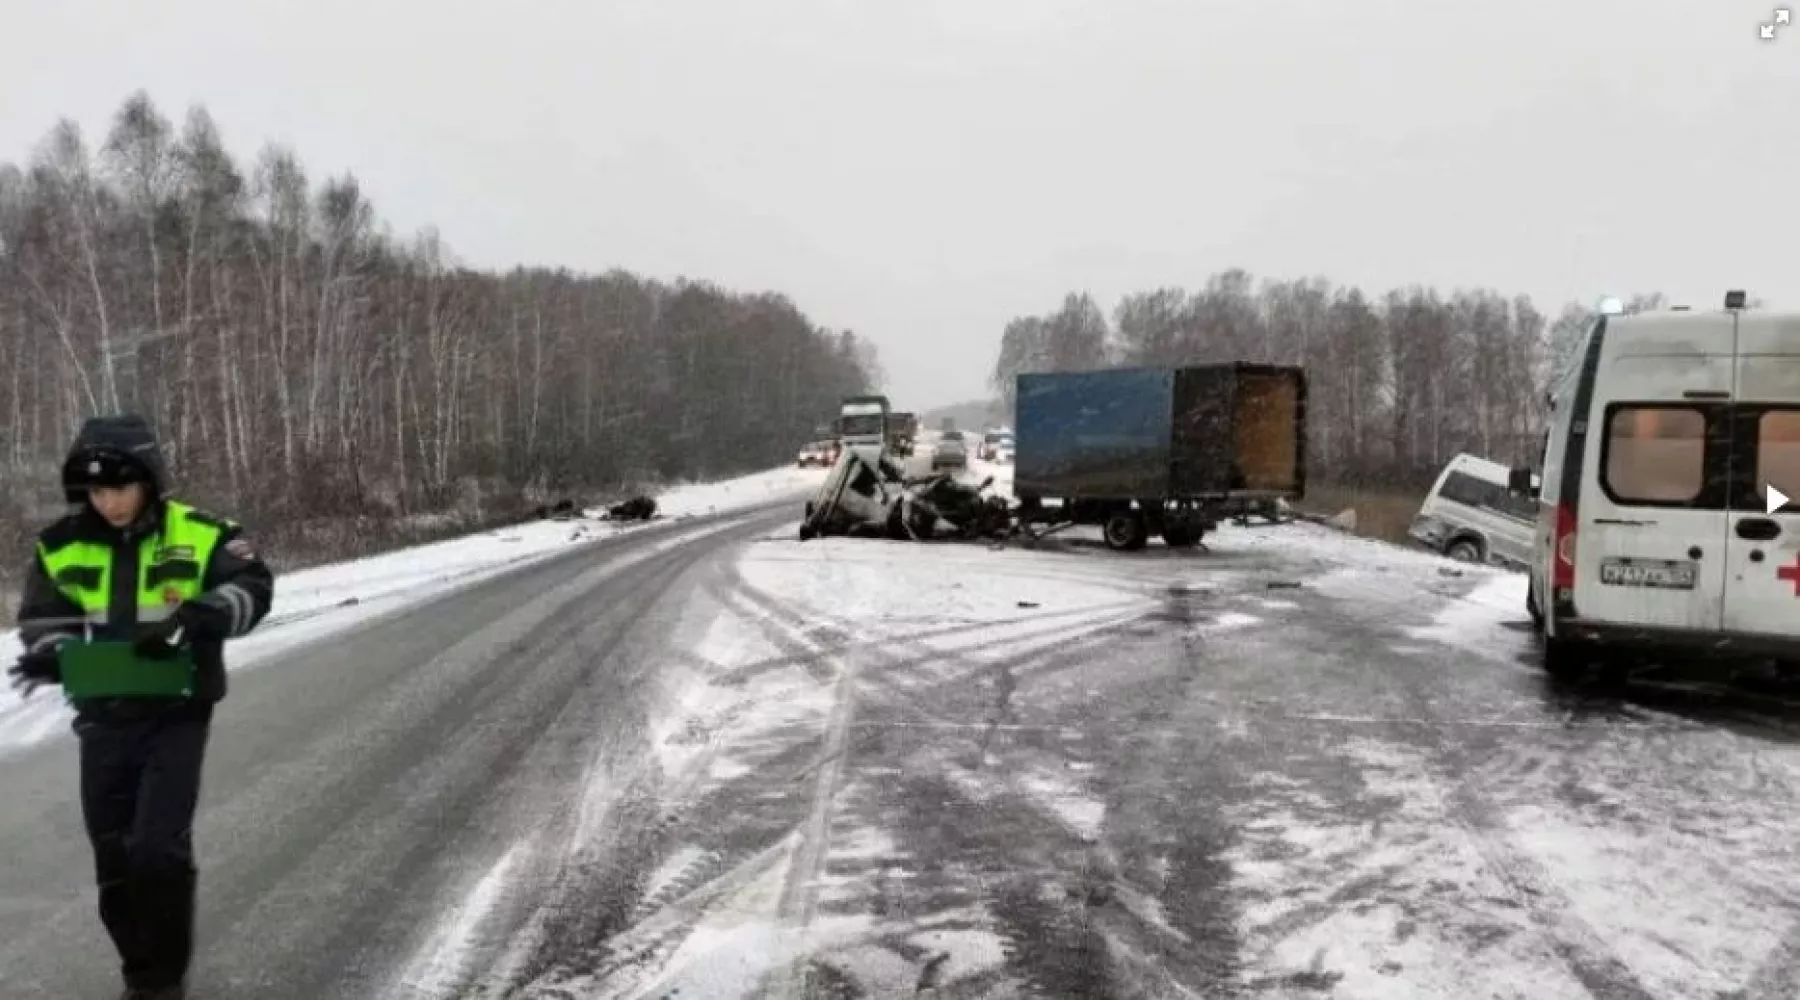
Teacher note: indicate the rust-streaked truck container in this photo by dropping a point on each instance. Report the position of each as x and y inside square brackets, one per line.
[1166, 451]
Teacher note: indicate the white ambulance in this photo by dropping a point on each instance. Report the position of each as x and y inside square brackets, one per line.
[1664, 522]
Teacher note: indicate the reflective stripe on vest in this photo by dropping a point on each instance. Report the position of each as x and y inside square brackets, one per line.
[171, 566]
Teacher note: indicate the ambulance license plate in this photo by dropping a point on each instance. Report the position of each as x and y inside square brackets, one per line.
[1660, 574]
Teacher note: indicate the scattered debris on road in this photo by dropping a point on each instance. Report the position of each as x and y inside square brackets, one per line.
[638, 508]
[562, 510]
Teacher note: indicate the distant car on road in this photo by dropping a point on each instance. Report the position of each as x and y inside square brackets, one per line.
[951, 452]
[819, 454]
[991, 444]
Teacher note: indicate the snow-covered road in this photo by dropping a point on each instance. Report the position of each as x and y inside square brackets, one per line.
[1069, 773]
[720, 762]
[313, 604]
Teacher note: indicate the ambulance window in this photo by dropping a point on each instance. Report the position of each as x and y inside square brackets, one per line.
[1655, 454]
[1778, 449]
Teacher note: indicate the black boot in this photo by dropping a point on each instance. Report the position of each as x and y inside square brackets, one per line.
[176, 992]
[118, 911]
[165, 904]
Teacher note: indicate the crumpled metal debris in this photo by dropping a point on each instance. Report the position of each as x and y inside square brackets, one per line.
[563, 510]
[940, 504]
[865, 496]
[638, 508]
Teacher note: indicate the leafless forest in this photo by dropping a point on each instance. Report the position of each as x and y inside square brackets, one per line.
[310, 370]
[1398, 384]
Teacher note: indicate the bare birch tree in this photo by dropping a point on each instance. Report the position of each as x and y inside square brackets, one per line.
[304, 366]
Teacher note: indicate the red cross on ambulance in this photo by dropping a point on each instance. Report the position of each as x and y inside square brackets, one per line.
[1791, 574]
[1761, 568]
[1764, 552]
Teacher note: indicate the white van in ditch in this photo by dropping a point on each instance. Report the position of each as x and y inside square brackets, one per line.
[1664, 524]
[1471, 516]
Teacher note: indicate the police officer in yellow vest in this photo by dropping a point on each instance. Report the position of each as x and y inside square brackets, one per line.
[134, 566]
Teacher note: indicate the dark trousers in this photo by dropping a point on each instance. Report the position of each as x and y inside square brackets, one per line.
[140, 784]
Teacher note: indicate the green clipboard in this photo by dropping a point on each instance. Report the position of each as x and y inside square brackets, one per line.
[114, 670]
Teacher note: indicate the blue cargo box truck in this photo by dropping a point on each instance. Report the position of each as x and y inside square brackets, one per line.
[1165, 451]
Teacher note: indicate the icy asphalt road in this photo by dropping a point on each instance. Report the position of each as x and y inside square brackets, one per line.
[748, 766]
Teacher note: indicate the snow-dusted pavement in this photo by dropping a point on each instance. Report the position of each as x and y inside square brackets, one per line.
[719, 762]
[314, 604]
[1068, 773]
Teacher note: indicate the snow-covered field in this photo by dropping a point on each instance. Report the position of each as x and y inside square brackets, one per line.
[313, 602]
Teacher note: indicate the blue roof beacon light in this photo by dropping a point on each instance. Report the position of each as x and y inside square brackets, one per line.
[1611, 306]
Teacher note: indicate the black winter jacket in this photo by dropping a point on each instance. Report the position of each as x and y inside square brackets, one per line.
[235, 579]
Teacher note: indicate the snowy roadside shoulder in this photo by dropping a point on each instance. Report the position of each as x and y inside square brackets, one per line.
[1479, 618]
[1465, 605]
[1304, 542]
[693, 499]
[1484, 606]
[327, 597]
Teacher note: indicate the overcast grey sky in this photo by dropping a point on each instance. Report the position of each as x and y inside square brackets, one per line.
[923, 170]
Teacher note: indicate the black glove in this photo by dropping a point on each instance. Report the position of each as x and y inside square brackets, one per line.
[35, 670]
[160, 640]
[192, 620]
[203, 622]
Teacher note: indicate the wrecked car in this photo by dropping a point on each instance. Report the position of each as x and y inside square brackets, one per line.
[864, 497]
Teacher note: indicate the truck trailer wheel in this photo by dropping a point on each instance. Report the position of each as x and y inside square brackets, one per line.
[1125, 531]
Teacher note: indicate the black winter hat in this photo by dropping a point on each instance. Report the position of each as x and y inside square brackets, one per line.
[105, 467]
[113, 451]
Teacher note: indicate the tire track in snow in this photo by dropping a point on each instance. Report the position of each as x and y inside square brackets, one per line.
[811, 640]
[892, 667]
[1778, 977]
[1583, 950]
[1668, 720]
[799, 892]
[1153, 895]
[805, 634]
[1058, 941]
[655, 930]
[833, 638]
[662, 929]
[520, 708]
[611, 832]
[818, 630]
[442, 966]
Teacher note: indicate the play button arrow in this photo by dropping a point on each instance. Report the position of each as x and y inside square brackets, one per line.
[1775, 497]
